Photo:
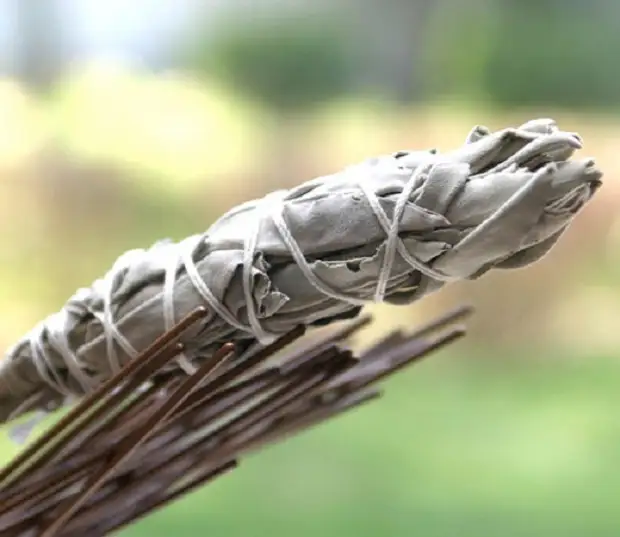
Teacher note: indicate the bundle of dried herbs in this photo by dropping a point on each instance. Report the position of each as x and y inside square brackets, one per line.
[391, 229]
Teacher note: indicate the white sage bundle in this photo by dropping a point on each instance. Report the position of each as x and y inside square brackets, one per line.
[393, 229]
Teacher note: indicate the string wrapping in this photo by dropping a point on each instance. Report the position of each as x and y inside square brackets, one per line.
[391, 229]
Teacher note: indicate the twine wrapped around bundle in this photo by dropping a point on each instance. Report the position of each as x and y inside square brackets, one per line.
[393, 229]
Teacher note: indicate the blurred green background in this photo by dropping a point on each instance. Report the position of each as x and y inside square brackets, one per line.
[126, 122]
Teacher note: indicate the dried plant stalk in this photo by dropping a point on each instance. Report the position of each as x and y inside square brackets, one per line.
[150, 435]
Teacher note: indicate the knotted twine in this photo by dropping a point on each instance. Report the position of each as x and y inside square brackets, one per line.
[391, 229]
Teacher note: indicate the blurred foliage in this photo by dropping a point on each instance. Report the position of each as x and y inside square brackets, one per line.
[507, 52]
[552, 53]
[286, 64]
[458, 51]
[162, 128]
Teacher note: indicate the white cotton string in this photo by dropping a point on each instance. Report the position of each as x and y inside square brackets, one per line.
[200, 285]
[249, 249]
[393, 240]
[170, 275]
[112, 334]
[54, 325]
[391, 228]
[181, 255]
[299, 258]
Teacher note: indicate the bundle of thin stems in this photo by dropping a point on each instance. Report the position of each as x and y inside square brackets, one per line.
[150, 435]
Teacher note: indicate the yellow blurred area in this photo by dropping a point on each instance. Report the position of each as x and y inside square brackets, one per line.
[163, 126]
[25, 125]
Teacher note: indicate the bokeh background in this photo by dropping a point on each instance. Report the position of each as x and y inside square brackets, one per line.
[126, 122]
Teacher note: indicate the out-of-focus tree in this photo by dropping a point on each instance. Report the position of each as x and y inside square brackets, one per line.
[289, 64]
[558, 53]
[460, 37]
[392, 37]
[513, 53]
[39, 51]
